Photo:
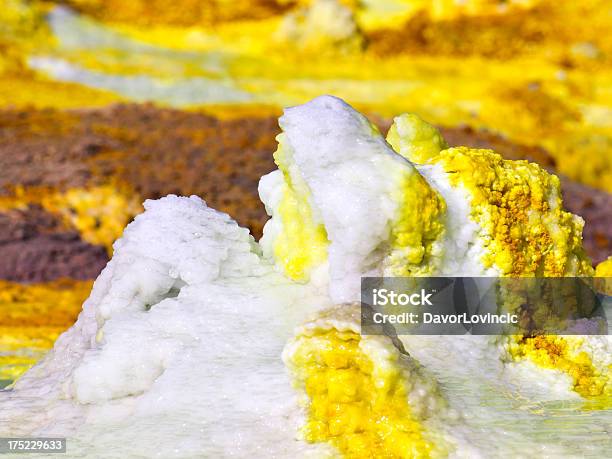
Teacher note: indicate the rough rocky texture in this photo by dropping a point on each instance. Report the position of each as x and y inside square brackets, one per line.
[160, 151]
[596, 208]
[154, 151]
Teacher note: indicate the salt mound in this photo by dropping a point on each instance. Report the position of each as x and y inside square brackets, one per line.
[345, 203]
[342, 189]
[177, 350]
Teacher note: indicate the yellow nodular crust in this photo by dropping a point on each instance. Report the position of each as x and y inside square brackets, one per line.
[420, 223]
[518, 206]
[563, 353]
[360, 409]
[525, 232]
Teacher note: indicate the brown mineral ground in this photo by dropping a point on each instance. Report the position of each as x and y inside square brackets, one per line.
[156, 151]
[36, 247]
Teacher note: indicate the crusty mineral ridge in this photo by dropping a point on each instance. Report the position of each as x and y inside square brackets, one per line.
[366, 394]
[517, 204]
[345, 201]
[345, 205]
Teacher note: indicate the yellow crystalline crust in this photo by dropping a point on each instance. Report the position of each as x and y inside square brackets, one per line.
[418, 226]
[302, 243]
[414, 138]
[358, 405]
[421, 217]
[524, 229]
[563, 353]
[518, 205]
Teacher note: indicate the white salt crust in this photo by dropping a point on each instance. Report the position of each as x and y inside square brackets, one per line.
[176, 352]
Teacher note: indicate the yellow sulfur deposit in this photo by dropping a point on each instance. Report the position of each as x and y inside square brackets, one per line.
[518, 205]
[32, 318]
[303, 243]
[415, 139]
[563, 353]
[513, 212]
[419, 225]
[524, 231]
[421, 217]
[417, 215]
[358, 405]
[604, 270]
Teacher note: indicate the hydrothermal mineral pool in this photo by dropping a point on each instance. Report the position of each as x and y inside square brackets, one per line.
[198, 341]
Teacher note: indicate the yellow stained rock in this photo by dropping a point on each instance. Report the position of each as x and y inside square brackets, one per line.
[415, 139]
[418, 227]
[518, 205]
[302, 244]
[563, 353]
[357, 398]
